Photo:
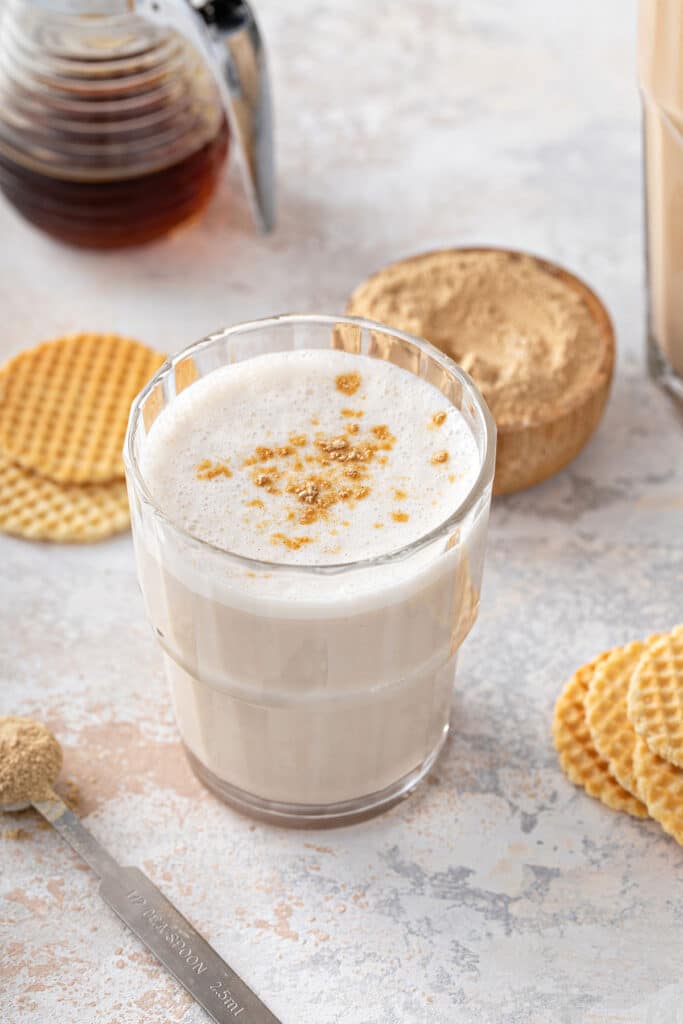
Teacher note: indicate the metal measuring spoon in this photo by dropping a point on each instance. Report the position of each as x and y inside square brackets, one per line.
[157, 923]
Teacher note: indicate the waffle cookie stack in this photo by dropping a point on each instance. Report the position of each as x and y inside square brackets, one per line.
[618, 729]
[63, 412]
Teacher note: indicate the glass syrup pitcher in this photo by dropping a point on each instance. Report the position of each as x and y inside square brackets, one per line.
[116, 115]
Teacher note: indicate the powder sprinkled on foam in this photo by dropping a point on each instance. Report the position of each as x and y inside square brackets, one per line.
[348, 383]
[308, 481]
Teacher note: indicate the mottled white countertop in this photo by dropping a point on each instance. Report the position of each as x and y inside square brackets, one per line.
[497, 893]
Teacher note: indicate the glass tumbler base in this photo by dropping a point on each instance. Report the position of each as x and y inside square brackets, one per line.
[346, 812]
[661, 370]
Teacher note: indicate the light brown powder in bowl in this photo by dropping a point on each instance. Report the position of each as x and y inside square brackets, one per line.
[524, 334]
[30, 761]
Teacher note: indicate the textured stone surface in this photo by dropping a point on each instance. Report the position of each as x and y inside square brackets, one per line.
[498, 892]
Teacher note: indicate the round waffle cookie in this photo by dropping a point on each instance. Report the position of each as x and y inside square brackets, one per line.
[64, 405]
[655, 696]
[579, 759]
[40, 509]
[610, 728]
[661, 784]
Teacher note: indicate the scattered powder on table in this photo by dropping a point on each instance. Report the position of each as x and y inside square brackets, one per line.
[15, 833]
[30, 761]
[527, 338]
[71, 795]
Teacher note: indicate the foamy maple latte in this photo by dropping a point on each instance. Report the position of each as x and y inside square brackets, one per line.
[301, 562]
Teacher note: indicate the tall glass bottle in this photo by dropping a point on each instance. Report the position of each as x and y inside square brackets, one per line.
[661, 81]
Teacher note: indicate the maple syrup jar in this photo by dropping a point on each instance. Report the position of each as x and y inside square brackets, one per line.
[115, 121]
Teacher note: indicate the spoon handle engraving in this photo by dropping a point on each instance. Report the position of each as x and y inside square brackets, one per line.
[182, 950]
[157, 923]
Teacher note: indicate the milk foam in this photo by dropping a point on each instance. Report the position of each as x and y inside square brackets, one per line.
[223, 418]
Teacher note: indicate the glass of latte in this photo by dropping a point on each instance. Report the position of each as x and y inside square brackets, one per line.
[309, 499]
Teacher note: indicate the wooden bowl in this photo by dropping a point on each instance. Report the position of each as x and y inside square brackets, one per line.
[536, 439]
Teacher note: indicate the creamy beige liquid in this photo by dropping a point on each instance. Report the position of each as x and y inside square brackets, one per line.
[661, 79]
[296, 686]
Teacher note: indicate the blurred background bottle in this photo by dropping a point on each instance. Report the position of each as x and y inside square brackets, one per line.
[660, 33]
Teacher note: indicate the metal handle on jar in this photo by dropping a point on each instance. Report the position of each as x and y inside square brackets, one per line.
[228, 33]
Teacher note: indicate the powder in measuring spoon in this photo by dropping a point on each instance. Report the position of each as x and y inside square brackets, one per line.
[30, 761]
